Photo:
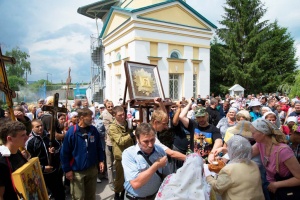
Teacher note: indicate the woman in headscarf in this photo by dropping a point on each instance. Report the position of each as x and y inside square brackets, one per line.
[270, 141]
[288, 128]
[240, 178]
[186, 183]
[270, 116]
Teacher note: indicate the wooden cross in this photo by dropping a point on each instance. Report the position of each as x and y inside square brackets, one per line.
[4, 86]
[68, 82]
[54, 109]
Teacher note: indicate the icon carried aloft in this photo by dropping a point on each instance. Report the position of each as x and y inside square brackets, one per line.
[144, 82]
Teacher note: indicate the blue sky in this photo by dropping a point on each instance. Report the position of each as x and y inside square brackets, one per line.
[56, 37]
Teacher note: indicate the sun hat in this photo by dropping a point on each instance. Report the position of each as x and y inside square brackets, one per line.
[200, 112]
[254, 103]
[244, 113]
[242, 128]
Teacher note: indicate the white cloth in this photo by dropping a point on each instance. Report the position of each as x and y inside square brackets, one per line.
[186, 183]
[5, 152]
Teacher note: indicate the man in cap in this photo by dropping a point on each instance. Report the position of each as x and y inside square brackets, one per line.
[211, 133]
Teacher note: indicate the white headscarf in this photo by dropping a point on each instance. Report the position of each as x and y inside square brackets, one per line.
[186, 183]
[239, 149]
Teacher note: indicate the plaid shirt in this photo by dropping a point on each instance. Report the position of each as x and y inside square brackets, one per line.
[296, 151]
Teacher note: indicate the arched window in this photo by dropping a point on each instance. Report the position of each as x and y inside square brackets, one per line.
[175, 54]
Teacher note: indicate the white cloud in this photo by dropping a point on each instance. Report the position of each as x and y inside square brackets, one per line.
[57, 37]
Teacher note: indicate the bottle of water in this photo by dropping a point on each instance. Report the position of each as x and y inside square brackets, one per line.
[129, 117]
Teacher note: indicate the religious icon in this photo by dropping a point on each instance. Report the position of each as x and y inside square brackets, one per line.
[29, 181]
[143, 81]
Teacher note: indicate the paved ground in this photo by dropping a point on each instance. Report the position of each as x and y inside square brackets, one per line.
[103, 192]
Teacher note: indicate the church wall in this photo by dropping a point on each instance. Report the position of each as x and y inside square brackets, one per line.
[163, 66]
[204, 72]
[188, 73]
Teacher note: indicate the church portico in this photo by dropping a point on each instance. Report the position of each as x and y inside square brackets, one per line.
[169, 34]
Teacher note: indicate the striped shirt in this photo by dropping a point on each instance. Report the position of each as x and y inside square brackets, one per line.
[133, 164]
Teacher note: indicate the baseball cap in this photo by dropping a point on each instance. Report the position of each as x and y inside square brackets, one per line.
[200, 112]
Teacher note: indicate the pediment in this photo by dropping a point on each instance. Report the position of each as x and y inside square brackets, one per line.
[116, 20]
[175, 14]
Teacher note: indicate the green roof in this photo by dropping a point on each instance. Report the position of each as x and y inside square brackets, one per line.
[97, 9]
[100, 8]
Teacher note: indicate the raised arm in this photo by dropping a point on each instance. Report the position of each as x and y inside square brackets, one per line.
[176, 116]
[183, 118]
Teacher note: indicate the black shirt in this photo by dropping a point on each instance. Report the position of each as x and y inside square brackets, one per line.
[214, 115]
[16, 161]
[210, 132]
[183, 138]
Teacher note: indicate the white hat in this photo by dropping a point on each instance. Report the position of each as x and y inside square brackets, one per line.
[255, 103]
[73, 114]
[268, 113]
[101, 106]
[232, 101]
[292, 119]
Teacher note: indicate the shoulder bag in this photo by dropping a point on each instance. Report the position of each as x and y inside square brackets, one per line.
[285, 193]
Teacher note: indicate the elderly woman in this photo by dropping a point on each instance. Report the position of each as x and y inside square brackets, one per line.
[270, 144]
[270, 116]
[227, 121]
[265, 109]
[186, 183]
[240, 178]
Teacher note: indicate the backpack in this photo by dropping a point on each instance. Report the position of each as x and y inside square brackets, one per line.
[100, 127]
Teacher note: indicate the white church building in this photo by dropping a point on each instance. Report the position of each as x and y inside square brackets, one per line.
[167, 33]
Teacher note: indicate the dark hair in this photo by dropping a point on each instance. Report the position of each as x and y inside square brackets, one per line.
[118, 109]
[144, 129]
[19, 108]
[84, 112]
[10, 128]
[60, 114]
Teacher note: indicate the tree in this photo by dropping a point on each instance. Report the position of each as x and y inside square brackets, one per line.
[259, 56]
[295, 88]
[15, 82]
[21, 67]
[217, 63]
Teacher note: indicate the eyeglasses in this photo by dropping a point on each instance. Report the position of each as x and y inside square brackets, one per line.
[109, 106]
[102, 108]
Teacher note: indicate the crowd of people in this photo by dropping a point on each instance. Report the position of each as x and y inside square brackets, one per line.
[256, 137]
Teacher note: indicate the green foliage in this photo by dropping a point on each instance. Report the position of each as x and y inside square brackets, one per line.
[256, 54]
[15, 82]
[295, 88]
[21, 66]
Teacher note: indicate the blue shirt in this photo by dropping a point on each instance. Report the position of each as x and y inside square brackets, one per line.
[134, 164]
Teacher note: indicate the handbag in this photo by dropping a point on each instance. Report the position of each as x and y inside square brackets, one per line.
[285, 193]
